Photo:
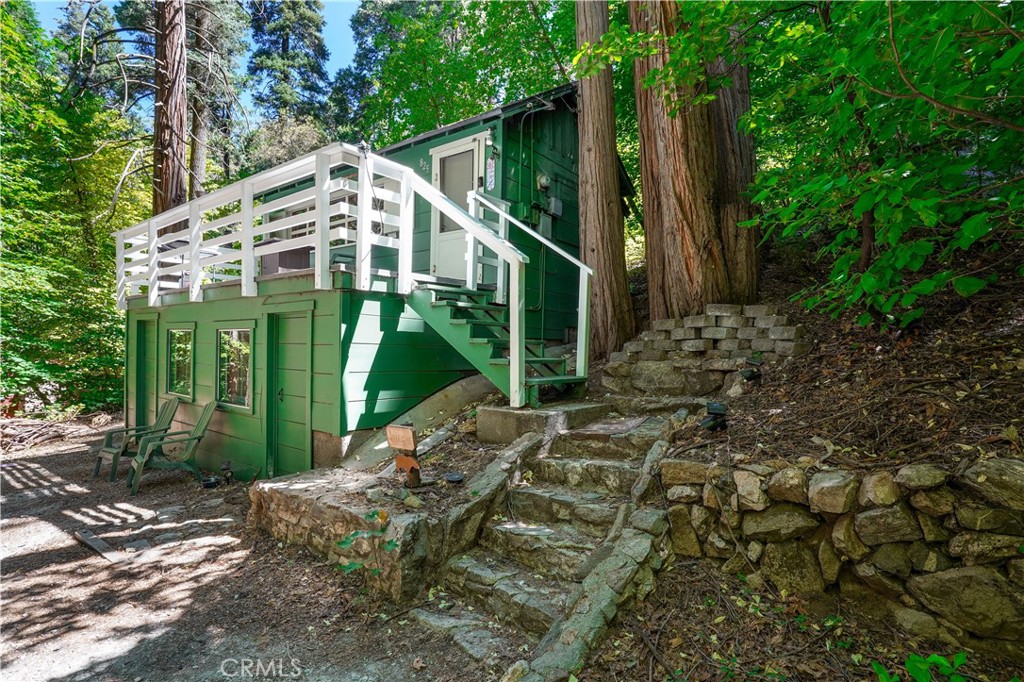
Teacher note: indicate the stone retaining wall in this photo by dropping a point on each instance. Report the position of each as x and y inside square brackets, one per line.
[939, 553]
[701, 354]
[307, 510]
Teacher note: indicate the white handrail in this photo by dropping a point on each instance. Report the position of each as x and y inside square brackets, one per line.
[491, 204]
[586, 272]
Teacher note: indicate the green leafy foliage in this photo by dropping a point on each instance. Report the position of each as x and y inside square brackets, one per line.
[424, 65]
[61, 332]
[889, 136]
[934, 668]
[372, 545]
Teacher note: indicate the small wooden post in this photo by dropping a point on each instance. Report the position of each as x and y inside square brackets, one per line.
[402, 439]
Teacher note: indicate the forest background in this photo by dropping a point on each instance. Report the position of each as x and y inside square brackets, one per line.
[888, 138]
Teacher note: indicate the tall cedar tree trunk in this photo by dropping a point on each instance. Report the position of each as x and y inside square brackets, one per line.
[171, 108]
[734, 164]
[601, 226]
[197, 156]
[200, 112]
[695, 253]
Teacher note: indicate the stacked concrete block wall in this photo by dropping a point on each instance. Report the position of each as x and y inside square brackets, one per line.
[702, 354]
[939, 553]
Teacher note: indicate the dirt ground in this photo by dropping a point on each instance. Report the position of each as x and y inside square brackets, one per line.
[209, 600]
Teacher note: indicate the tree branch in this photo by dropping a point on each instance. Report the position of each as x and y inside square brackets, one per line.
[977, 115]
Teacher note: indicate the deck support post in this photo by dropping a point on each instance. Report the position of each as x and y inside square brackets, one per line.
[406, 220]
[471, 244]
[153, 280]
[583, 326]
[517, 334]
[195, 241]
[248, 251]
[364, 224]
[322, 246]
[119, 259]
[501, 286]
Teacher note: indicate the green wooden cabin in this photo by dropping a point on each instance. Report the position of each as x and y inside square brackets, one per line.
[333, 293]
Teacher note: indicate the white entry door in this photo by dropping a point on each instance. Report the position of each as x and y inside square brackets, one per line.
[457, 169]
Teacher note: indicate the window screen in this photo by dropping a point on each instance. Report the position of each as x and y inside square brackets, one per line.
[456, 182]
[234, 383]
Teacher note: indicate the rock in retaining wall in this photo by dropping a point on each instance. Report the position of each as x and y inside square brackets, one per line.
[701, 354]
[941, 554]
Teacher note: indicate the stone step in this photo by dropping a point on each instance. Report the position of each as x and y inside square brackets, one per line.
[480, 637]
[621, 438]
[613, 476]
[509, 591]
[556, 549]
[592, 513]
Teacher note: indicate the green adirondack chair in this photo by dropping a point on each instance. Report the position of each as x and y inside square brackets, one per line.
[154, 452]
[133, 434]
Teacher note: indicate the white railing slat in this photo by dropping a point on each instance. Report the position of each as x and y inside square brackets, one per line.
[248, 257]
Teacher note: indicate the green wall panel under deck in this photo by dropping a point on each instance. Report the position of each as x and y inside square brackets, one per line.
[392, 359]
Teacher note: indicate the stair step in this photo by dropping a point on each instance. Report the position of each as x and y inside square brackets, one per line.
[509, 591]
[530, 361]
[480, 638]
[612, 476]
[552, 380]
[447, 290]
[479, 323]
[556, 550]
[534, 348]
[465, 305]
[622, 438]
[592, 513]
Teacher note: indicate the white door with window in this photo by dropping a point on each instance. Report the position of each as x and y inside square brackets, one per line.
[457, 169]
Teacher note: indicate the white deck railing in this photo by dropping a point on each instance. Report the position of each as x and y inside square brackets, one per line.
[340, 195]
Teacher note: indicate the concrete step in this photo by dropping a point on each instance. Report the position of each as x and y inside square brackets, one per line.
[556, 550]
[480, 637]
[612, 476]
[509, 591]
[592, 513]
[497, 424]
[620, 438]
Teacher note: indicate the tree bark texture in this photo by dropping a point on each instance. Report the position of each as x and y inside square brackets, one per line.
[602, 244]
[197, 153]
[170, 111]
[198, 107]
[692, 198]
[734, 164]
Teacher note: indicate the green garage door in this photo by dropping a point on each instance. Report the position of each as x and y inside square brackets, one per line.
[290, 393]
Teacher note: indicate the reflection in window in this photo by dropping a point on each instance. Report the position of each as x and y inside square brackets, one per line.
[233, 352]
[179, 361]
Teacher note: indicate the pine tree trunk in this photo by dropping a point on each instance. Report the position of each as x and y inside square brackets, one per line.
[601, 224]
[691, 259]
[170, 112]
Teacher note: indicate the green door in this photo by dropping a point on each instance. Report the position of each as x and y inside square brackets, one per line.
[290, 375]
[145, 372]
